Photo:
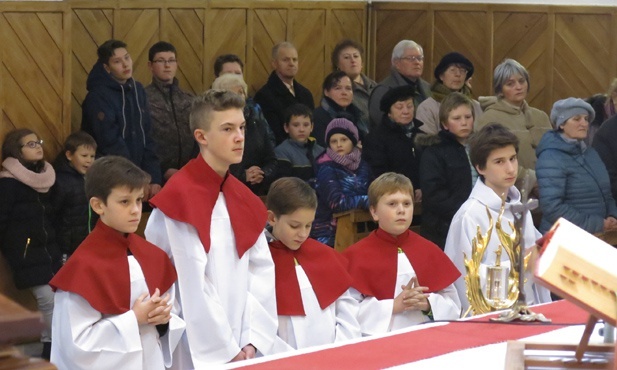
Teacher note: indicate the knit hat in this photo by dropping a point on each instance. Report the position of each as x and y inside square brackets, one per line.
[399, 93]
[565, 109]
[342, 126]
[453, 58]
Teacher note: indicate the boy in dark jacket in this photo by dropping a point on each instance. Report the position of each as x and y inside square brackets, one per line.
[115, 112]
[72, 220]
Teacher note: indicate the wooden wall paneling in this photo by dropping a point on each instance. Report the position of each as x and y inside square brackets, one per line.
[139, 29]
[185, 30]
[269, 27]
[308, 35]
[525, 37]
[227, 34]
[393, 25]
[32, 74]
[582, 64]
[89, 29]
[464, 32]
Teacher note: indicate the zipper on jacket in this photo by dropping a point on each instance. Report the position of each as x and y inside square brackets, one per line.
[51, 261]
[26, 249]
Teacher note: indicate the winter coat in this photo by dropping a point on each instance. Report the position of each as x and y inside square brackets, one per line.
[338, 190]
[297, 159]
[574, 184]
[445, 175]
[258, 150]
[329, 110]
[362, 93]
[388, 149]
[395, 79]
[605, 143]
[72, 219]
[27, 237]
[274, 98]
[117, 116]
[170, 108]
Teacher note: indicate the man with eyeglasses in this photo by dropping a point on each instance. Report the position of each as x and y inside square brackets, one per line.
[169, 108]
[407, 68]
[115, 112]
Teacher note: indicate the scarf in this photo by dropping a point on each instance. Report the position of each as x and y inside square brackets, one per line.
[99, 269]
[350, 161]
[41, 182]
[190, 195]
[325, 268]
[440, 91]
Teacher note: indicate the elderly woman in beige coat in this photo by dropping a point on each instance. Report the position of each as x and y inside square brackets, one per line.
[509, 108]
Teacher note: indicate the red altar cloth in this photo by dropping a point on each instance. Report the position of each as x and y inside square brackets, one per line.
[417, 345]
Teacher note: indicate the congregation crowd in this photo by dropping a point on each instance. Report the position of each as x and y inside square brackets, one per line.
[208, 285]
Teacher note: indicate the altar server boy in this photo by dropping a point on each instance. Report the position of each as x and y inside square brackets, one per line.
[493, 152]
[109, 311]
[312, 282]
[400, 278]
[212, 227]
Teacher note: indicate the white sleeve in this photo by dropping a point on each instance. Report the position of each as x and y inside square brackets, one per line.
[458, 244]
[374, 316]
[89, 340]
[207, 326]
[176, 328]
[260, 320]
[445, 304]
[347, 325]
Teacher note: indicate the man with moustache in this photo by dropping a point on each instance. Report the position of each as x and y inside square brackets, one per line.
[407, 67]
[282, 90]
[115, 112]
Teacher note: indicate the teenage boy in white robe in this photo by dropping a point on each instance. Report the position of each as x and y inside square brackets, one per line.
[312, 282]
[211, 225]
[493, 152]
[109, 312]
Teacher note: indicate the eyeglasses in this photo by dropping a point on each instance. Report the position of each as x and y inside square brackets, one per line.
[163, 61]
[413, 58]
[459, 70]
[33, 144]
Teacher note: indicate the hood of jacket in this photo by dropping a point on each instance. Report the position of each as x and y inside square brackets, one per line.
[100, 79]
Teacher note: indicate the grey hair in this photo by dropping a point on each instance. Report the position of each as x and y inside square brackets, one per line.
[281, 45]
[399, 49]
[504, 71]
[228, 81]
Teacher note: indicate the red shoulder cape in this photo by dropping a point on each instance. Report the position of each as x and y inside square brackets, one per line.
[326, 270]
[190, 195]
[373, 261]
[99, 269]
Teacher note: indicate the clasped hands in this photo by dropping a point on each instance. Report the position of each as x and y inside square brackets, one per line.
[411, 298]
[153, 311]
[254, 175]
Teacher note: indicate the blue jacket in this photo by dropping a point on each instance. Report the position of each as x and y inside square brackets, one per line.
[117, 116]
[574, 184]
[338, 190]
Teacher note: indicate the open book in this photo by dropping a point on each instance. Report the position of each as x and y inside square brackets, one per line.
[581, 268]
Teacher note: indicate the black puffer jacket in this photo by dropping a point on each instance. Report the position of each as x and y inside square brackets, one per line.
[70, 205]
[27, 238]
[445, 176]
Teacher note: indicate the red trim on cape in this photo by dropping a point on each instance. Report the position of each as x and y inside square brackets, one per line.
[99, 269]
[373, 262]
[190, 195]
[325, 268]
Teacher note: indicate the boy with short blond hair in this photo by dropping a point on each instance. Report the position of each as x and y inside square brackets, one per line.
[296, 155]
[400, 278]
[312, 282]
[211, 225]
[109, 311]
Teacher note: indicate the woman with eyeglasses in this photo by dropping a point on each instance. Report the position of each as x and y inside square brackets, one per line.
[451, 75]
[27, 238]
[337, 102]
[509, 107]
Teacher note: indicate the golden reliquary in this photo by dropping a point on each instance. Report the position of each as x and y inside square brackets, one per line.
[501, 288]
